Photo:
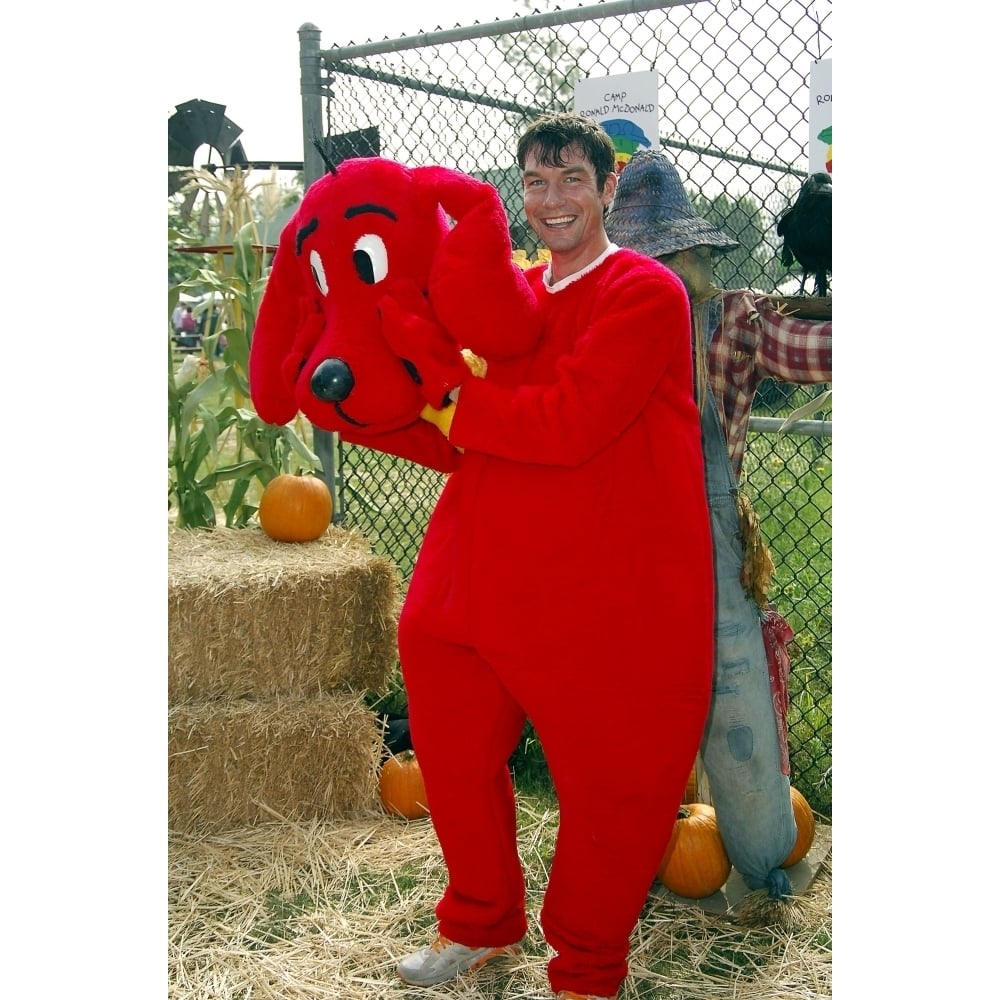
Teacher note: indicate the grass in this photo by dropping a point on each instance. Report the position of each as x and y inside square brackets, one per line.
[790, 481]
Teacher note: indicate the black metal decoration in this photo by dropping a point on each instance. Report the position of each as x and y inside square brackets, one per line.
[197, 123]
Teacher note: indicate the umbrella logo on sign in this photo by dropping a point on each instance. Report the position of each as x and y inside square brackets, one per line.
[827, 136]
[627, 138]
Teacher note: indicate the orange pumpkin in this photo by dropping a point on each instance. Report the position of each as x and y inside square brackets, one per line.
[695, 863]
[295, 508]
[401, 787]
[805, 825]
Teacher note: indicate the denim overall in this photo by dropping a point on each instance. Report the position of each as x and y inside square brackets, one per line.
[739, 748]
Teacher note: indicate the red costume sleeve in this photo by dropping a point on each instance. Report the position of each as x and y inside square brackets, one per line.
[638, 345]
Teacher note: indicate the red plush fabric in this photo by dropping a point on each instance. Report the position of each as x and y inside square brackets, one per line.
[566, 572]
[318, 344]
[566, 576]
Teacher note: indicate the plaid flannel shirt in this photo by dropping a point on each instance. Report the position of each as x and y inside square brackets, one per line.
[753, 342]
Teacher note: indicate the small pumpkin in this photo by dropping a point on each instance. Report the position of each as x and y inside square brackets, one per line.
[295, 508]
[401, 787]
[805, 825]
[695, 863]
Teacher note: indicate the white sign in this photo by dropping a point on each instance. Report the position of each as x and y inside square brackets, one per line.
[628, 108]
[821, 117]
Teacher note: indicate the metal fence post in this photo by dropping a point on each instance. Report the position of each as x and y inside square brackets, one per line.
[311, 89]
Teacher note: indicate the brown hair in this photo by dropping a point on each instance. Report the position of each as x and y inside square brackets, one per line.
[552, 133]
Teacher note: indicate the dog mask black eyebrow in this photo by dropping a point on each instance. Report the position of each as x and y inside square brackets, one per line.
[307, 230]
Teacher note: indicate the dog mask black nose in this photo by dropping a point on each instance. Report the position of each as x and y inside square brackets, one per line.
[332, 381]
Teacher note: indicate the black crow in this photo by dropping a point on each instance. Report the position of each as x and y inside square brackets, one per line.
[806, 227]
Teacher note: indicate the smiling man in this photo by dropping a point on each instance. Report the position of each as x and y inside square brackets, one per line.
[565, 196]
[565, 577]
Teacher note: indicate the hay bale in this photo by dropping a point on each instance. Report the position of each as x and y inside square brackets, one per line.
[251, 617]
[234, 763]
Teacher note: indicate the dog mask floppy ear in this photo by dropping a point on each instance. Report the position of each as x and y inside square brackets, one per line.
[289, 321]
[479, 295]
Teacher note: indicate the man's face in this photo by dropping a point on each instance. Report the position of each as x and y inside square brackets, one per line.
[693, 266]
[564, 206]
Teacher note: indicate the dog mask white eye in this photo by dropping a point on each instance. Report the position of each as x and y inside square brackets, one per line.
[319, 275]
[370, 259]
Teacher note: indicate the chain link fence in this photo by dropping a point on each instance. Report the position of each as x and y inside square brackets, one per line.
[734, 100]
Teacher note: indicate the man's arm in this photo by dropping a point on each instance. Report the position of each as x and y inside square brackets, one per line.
[636, 342]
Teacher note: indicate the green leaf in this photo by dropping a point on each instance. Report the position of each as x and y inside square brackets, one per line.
[300, 448]
[807, 409]
[237, 513]
[196, 454]
[230, 472]
[212, 385]
[210, 430]
[195, 510]
[245, 261]
[237, 349]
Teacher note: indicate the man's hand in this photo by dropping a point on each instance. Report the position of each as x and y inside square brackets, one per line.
[441, 419]
[476, 364]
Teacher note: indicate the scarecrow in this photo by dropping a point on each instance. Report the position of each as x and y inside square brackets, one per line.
[740, 338]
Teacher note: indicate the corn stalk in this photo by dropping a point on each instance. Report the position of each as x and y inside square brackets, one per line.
[215, 438]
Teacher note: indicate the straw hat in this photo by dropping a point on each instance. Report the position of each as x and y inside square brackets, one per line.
[652, 213]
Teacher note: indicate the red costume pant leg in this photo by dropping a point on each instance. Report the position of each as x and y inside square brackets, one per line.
[607, 648]
[620, 739]
[464, 726]
[618, 765]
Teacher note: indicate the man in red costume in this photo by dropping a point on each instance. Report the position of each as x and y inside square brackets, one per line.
[566, 577]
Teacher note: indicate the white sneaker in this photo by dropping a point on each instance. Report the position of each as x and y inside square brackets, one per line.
[445, 960]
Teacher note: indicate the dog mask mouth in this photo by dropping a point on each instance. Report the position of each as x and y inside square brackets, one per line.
[346, 417]
[332, 382]
[359, 394]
